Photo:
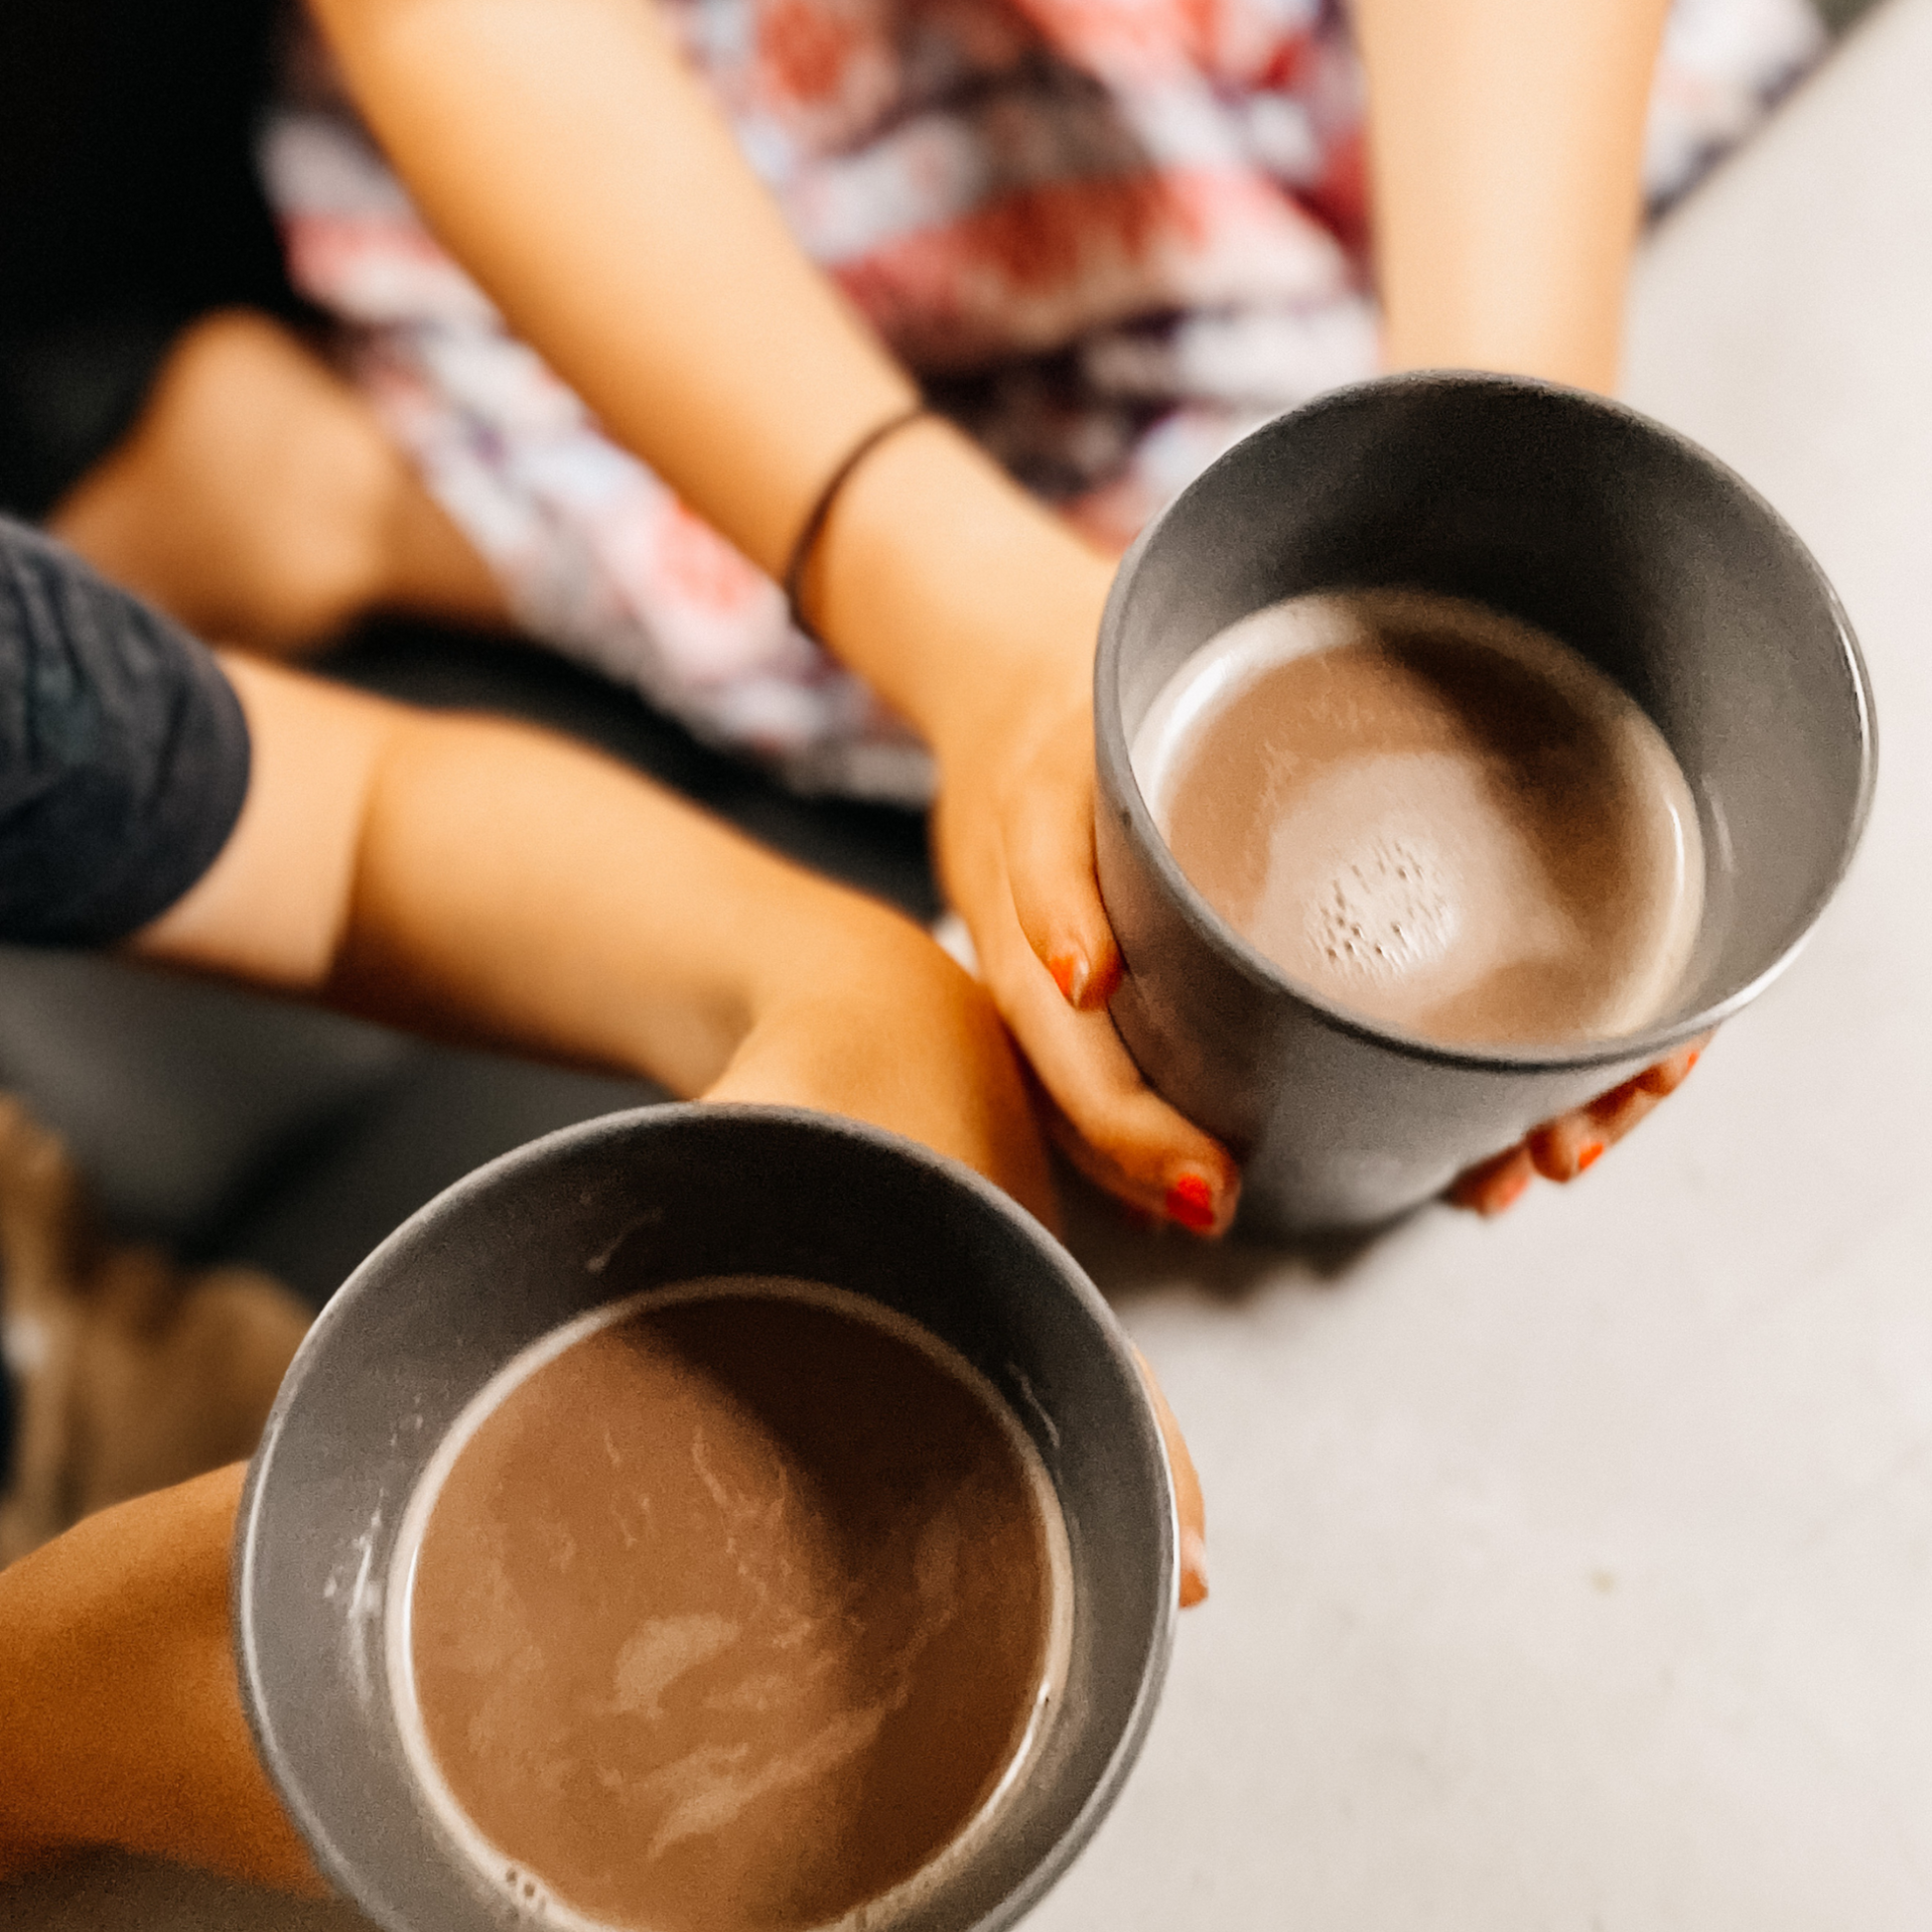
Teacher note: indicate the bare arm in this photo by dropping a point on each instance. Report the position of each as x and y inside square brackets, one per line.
[1507, 142]
[429, 869]
[581, 173]
[120, 1715]
[574, 165]
[578, 168]
[459, 873]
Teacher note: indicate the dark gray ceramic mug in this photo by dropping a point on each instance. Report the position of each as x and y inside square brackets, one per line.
[606, 1211]
[1629, 544]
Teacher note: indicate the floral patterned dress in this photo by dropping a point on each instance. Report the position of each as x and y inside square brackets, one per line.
[1109, 236]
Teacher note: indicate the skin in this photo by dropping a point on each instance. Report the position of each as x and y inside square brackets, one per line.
[1505, 158]
[1573, 1142]
[568, 157]
[1503, 153]
[1505, 150]
[465, 875]
[570, 160]
[258, 499]
[122, 1712]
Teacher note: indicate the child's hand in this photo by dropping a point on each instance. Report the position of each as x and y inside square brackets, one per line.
[1189, 1505]
[973, 612]
[1013, 834]
[1014, 838]
[910, 1042]
[883, 1028]
[1561, 1148]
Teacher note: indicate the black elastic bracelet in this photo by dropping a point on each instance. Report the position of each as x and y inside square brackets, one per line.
[808, 532]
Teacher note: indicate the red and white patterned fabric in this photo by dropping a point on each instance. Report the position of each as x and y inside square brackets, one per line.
[1109, 236]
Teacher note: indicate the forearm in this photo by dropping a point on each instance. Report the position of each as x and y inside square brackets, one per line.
[574, 165]
[120, 1716]
[968, 607]
[460, 874]
[519, 889]
[1505, 144]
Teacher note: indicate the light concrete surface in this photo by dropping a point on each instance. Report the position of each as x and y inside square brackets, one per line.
[1574, 1574]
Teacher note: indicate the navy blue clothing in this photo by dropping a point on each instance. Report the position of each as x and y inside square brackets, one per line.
[123, 753]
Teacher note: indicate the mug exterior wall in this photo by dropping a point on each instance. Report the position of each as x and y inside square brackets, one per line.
[615, 1207]
[1334, 1128]
[1574, 514]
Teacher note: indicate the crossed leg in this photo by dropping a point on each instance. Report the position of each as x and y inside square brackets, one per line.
[258, 500]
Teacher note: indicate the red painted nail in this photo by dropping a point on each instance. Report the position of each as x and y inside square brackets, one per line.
[1190, 1201]
[1070, 973]
[1194, 1569]
[1589, 1155]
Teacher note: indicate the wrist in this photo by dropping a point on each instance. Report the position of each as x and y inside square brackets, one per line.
[819, 940]
[950, 591]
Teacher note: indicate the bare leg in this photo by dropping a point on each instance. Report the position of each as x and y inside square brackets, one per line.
[260, 500]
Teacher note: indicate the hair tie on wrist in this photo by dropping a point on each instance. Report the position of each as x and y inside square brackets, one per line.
[808, 532]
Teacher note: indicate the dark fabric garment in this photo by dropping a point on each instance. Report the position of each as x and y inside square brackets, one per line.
[123, 753]
[67, 395]
[129, 205]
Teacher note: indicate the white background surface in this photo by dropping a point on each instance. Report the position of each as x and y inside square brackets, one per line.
[1574, 1574]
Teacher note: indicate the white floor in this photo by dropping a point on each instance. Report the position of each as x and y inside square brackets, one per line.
[1575, 1574]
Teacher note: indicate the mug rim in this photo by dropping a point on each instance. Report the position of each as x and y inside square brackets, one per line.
[340, 1862]
[1115, 763]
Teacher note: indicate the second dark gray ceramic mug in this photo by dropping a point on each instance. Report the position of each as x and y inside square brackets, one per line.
[1629, 544]
[596, 1213]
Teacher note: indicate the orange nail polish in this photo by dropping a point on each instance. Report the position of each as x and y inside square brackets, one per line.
[1190, 1201]
[1697, 1053]
[1194, 1569]
[1070, 973]
[1589, 1155]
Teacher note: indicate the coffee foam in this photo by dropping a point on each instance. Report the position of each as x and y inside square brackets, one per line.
[1383, 913]
[1333, 781]
[659, 1652]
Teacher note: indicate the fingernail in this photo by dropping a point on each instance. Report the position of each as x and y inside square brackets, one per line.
[1697, 1053]
[1589, 1155]
[1194, 1568]
[1501, 1198]
[1190, 1201]
[1070, 973]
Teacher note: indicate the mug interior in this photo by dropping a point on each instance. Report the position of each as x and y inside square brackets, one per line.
[593, 1215]
[1621, 538]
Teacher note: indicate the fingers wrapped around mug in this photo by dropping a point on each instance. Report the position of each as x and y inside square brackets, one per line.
[1022, 876]
[1571, 1143]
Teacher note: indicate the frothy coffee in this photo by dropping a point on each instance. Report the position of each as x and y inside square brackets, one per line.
[1434, 815]
[731, 1609]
